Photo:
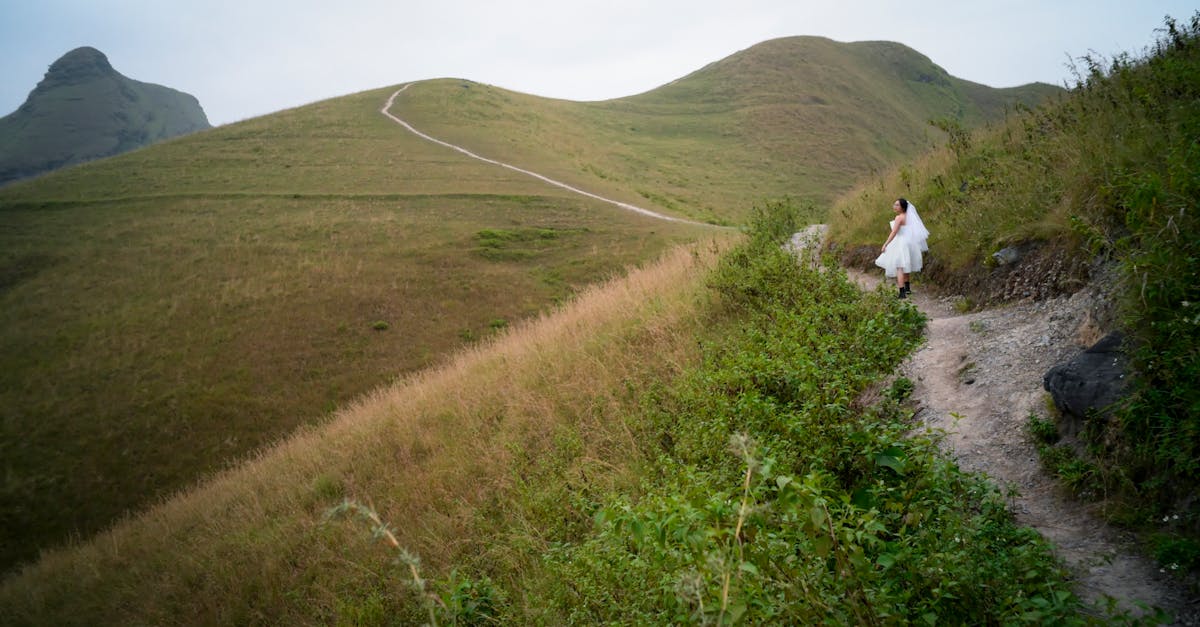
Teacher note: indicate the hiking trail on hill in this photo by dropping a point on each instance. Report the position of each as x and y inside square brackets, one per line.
[386, 110]
[978, 377]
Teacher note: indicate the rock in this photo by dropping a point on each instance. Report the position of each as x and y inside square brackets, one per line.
[1006, 256]
[1088, 384]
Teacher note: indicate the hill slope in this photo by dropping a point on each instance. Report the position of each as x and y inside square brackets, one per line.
[801, 116]
[152, 331]
[600, 466]
[1109, 174]
[221, 289]
[84, 109]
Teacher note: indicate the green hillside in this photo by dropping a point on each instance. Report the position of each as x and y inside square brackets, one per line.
[702, 441]
[167, 311]
[170, 310]
[1109, 174]
[84, 109]
[805, 117]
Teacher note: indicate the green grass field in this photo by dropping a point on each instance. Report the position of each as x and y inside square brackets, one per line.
[688, 443]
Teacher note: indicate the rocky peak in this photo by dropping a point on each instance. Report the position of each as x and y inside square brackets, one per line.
[77, 66]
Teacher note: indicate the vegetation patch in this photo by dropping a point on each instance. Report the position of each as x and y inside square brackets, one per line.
[1107, 172]
[768, 498]
[520, 243]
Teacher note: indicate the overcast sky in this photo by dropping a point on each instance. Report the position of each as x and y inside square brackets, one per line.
[244, 58]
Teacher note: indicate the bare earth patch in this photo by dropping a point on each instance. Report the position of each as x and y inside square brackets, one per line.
[979, 377]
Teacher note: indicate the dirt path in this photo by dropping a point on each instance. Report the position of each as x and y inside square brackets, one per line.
[624, 205]
[987, 368]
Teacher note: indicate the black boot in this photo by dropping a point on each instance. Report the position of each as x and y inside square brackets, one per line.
[903, 294]
[908, 287]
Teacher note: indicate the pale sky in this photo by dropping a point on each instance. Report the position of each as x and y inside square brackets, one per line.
[245, 58]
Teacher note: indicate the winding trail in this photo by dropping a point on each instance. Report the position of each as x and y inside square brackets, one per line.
[978, 377]
[624, 205]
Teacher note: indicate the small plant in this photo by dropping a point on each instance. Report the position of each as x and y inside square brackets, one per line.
[383, 531]
[464, 601]
[1077, 475]
[964, 304]
[498, 323]
[966, 373]
[900, 390]
[380, 325]
[977, 326]
[1042, 430]
[1176, 554]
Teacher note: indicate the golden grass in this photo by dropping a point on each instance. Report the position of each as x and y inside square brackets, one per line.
[223, 289]
[428, 452]
[228, 324]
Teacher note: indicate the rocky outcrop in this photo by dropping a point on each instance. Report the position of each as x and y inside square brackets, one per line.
[83, 109]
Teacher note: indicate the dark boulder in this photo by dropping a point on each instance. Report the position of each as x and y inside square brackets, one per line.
[1090, 383]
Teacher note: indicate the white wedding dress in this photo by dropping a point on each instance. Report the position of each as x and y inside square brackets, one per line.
[904, 251]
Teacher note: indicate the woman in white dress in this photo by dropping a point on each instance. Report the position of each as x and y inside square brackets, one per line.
[901, 253]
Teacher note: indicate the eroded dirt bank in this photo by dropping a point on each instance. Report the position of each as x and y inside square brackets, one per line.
[979, 377]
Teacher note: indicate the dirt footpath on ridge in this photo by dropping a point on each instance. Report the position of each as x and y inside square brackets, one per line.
[986, 368]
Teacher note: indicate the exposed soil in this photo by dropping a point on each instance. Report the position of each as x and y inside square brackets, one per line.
[979, 377]
[1045, 270]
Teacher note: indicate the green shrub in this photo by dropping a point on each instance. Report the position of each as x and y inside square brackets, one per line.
[1177, 554]
[901, 389]
[1043, 431]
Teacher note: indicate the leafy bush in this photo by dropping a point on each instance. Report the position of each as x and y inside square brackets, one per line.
[1177, 554]
[901, 389]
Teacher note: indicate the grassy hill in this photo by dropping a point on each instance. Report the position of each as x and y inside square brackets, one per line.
[84, 109]
[805, 117]
[692, 443]
[1108, 174]
[168, 311]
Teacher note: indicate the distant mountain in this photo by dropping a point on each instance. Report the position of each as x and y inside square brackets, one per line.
[84, 109]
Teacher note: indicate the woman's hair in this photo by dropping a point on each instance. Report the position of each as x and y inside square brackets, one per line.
[903, 203]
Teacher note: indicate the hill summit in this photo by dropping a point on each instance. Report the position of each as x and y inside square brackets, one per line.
[76, 66]
[83, 109]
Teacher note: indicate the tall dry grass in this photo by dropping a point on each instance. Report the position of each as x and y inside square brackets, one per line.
[429, 453]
